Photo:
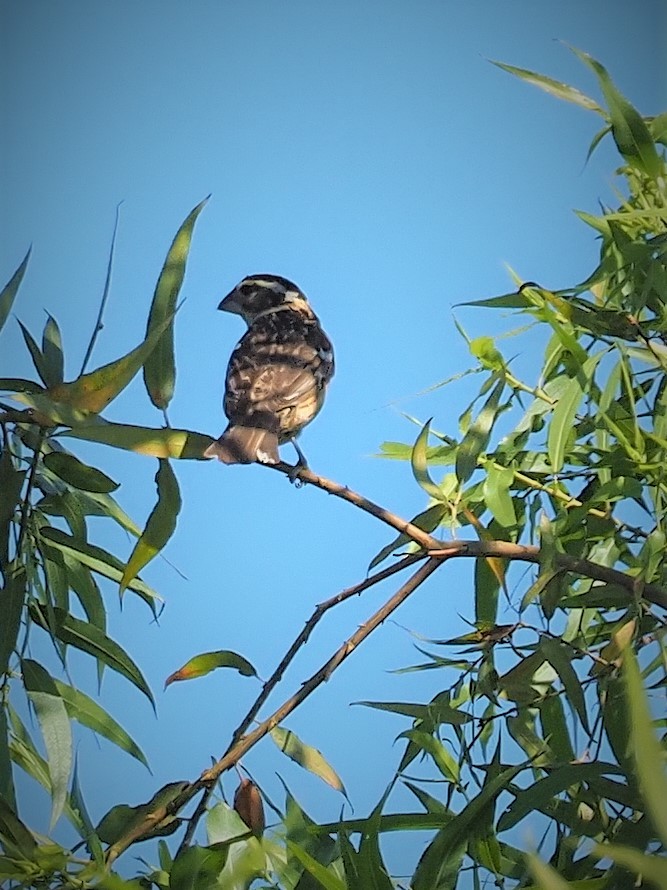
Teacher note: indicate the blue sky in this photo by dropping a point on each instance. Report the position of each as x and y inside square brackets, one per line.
[370, 152]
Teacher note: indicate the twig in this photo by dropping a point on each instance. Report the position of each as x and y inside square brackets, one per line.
[105, 294]
[277, 675]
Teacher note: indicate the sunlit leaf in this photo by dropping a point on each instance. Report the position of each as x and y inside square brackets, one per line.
[438, 751]
[94, 391]
[306, 756]
[564, 415]
[647, 752]
[203, 664]
[631, 134]
[160, 525]
[160, 367]
[419, 464]
[160, 443]
[56, 732]
[553, 87]
[73, 471]
[496, 487]
[197, 868]
[9, 291]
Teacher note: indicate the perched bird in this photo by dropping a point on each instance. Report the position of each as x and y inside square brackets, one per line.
[277, 374]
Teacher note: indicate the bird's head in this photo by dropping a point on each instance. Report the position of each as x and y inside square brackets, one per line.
[259, 295]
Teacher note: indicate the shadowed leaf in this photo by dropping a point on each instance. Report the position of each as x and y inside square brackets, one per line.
[9, 291]
[307, 757]
[73, 471]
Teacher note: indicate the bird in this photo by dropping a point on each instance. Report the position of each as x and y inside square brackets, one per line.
[278, 372]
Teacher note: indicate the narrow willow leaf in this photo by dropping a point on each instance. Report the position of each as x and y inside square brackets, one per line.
[427, 521]
[90, 639]
[35, 355]
[419, 464]
[323, 875]
[89, 835]
[12, 598]
[504, 301]
[564, 414]
[6, 778]
[203, 664]
[160, 443]
[73, 471]
[477, 437]
[646, 749]
[160, 367]
[94, 391]
[160, 525]
[19, 384]
[15, 831]
[560, 657]
[651, 867]
[553, 87]
[497, 496]
[88, 713]
[439, 752]
[434, 712]
[122, 819]
[55, 727]
[440, 863]
[631, 133]
[9, 291]
[307, 757]
[547, 878]
[97, 559]
[52, 351]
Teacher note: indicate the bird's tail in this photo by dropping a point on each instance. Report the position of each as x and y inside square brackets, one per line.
[245, 445]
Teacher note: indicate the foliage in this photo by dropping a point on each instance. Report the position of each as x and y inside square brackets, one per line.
[544, 722]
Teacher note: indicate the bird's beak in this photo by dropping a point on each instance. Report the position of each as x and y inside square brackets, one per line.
[230, 303]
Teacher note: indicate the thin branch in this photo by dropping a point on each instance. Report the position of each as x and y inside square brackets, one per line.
[105, 294]
[277, 675]
[306, 476]
[531, 553]
[208, 778]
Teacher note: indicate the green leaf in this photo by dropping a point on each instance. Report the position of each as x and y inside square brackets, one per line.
[52, 351]
[88, 638]
[564, 414]
[651, 868]
[94, 391]
[309, 758]
[547, 878]
[439, 752]
[97, 559]
[203, 664]
[419, 465]
[197, 868]
[160, 367]
[160, 525]
[73, 471]
[321, 873]
[560, 658]
[56, 732]
[161, 443]
[9, 290]
[35, 355]
[13, 830]
[647, 752]
[12, 598]
[88, 713]
[553, 87]
[631, 134]
[497, 496]
[89, 834]
[6, 777]
[477, 438]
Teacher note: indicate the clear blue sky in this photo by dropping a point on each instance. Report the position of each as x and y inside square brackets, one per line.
[369, 151]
